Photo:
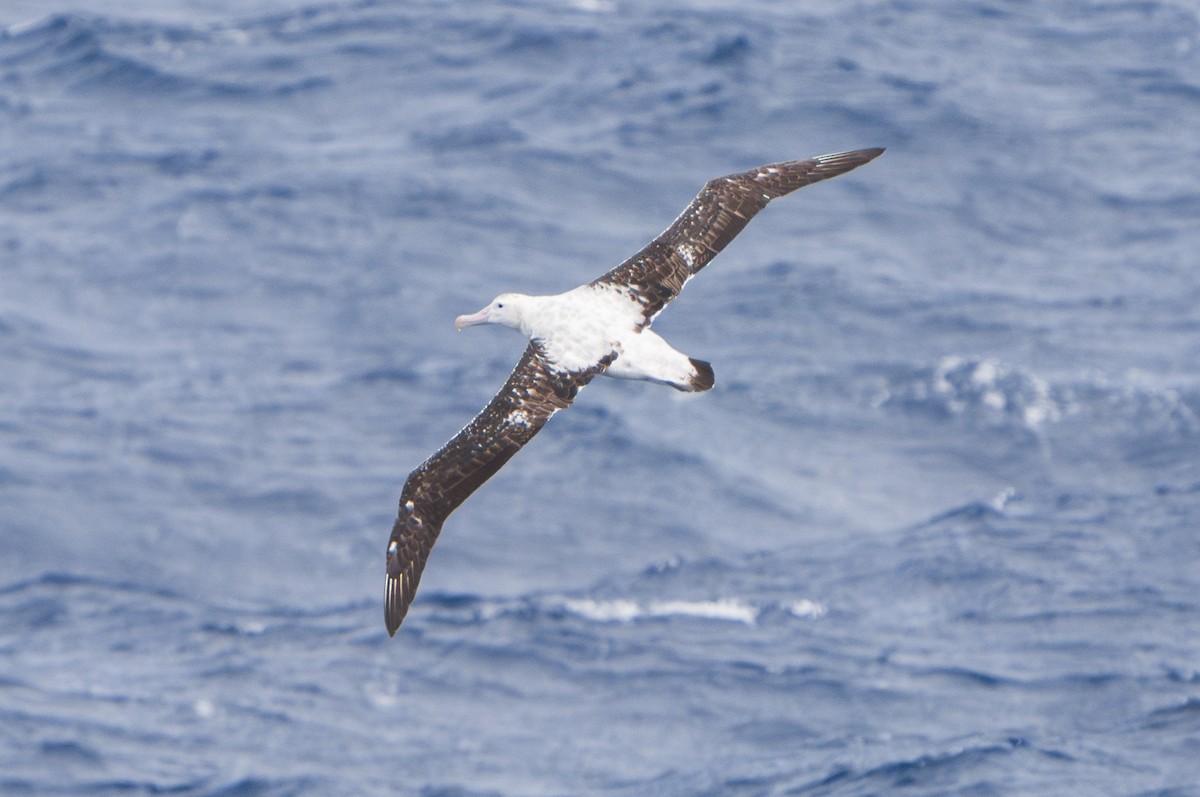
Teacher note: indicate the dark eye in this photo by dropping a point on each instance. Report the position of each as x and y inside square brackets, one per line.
[500, 305]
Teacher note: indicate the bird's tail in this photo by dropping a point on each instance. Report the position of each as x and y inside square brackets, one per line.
[701, 378]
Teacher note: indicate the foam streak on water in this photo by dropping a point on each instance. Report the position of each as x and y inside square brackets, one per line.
[933, 532]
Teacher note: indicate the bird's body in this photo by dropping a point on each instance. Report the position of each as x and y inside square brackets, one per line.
[577, 329]
[602, 327]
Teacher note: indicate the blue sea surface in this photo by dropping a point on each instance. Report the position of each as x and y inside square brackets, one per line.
[935, 532]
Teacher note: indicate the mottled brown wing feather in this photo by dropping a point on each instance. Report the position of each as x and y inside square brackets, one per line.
[531, 395]
[719, 212]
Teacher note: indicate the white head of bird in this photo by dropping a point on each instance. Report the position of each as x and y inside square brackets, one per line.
[507, 309]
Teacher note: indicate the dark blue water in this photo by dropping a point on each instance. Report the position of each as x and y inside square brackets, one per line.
[935, 532]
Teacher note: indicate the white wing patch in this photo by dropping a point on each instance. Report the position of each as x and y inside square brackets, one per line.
[687, 254]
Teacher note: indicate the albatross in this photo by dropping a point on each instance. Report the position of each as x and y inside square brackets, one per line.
[599, 328]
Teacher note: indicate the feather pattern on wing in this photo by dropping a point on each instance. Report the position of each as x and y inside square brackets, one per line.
[719, 212]
[534, 391]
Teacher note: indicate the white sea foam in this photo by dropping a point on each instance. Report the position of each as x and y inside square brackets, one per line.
[620, 611]
[806, 609]
[624, 611]
[984, 389]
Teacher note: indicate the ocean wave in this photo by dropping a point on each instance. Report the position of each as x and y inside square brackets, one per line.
[982, 390]
[456, 609]
[70, 50]
[989, 393]
[624, 611]
[928, 769]
[83, 53]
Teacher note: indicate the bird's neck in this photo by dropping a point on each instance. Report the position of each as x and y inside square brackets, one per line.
[528, 307]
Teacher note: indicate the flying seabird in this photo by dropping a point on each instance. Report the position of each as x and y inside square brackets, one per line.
[602, 327]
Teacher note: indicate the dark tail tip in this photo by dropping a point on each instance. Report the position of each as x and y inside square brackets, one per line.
[703, 379]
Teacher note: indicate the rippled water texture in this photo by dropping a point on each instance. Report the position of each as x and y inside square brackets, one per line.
[933, 533]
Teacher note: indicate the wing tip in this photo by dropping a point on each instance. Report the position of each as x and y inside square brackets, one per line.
[394, 605]
[850, 158]
[823, 167]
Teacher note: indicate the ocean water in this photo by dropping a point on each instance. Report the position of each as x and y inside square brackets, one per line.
[935, 532]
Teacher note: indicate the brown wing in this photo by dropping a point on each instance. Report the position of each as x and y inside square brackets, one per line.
[531, 395]
[718, 213]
